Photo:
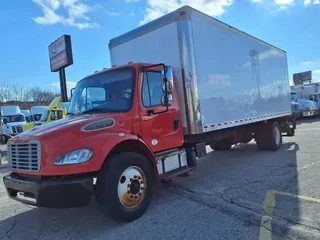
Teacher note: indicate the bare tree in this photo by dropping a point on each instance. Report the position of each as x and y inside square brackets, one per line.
[20, 93]
[5, 92]
[41, 95]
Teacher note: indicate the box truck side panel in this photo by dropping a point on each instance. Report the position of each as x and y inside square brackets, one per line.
[240, 79]
[160, 45]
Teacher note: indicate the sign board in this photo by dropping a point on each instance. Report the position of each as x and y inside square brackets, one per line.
[60, 53]
[302, 77]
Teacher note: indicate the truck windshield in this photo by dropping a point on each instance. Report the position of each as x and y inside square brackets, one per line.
[44, 116]
[15, 118]
[37, 117]
[109, 91]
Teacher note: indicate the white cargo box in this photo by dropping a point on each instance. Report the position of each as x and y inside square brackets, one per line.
[224, 76]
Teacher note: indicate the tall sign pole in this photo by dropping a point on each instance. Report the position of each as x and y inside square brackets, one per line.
[60, 54]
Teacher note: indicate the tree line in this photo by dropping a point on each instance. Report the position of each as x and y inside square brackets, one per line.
[23, 94]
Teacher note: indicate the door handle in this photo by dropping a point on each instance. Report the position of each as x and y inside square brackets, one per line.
[176, 123]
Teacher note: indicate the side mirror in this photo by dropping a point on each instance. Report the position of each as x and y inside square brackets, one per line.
[5, 121]
[166, 100]
[167, 79]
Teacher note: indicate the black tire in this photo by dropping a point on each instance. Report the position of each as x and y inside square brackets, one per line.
[266, 137]
[291, 132]
[111, 176]
[222, 145]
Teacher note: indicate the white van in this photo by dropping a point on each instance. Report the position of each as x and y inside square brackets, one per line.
[37, 111]
[26, 113]
[12, 121]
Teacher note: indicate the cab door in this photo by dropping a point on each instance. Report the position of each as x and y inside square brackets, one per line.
[161, 127]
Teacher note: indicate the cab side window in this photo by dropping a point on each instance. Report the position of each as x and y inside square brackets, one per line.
[151, 89]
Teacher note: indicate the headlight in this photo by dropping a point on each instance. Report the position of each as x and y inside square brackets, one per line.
[75, 157]
[311, 107]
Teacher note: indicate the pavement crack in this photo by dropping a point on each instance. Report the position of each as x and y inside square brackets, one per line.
[245, 184]
[11, 228]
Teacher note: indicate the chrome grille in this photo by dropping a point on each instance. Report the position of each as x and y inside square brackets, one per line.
[24, 156]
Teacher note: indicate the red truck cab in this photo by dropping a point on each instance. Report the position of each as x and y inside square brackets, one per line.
[121, 122]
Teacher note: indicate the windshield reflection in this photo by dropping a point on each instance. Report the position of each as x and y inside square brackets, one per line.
[109, 91]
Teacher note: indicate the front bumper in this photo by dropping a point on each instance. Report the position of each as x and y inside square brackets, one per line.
[309, 113]
[50, 193]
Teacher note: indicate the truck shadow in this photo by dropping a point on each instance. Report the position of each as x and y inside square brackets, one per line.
[75, 223]
[244, 175]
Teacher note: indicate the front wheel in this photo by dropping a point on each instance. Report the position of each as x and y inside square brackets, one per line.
[124, 186]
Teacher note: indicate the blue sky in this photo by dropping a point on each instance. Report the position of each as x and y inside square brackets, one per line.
[29, 26]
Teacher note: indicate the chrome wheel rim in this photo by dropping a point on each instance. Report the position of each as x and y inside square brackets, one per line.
[131, 187]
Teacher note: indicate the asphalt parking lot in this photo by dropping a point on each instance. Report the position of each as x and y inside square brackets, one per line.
[239, 194]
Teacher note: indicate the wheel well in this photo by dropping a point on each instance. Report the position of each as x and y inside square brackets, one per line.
[137, 147]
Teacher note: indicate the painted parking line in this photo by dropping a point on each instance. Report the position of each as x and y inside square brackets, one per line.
[268, 207]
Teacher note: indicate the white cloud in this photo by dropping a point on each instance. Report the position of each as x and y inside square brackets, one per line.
[309, 63]
[316, 71]
[308, 2]
[284, 2]
[75, 13]
[158, 8]
[219, 80]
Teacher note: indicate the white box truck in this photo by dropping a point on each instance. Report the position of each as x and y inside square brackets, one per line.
[194, 81]
[225, 77]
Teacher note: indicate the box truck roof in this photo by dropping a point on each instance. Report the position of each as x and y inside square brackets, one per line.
[26, 112]
[10, 110]
[181, 13]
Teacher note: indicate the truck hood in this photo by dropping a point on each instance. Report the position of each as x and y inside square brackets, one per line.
[64, 125]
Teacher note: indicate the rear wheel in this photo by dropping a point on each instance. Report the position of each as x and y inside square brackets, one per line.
[222, 145]
[124, 186]
[269, 137]
[290, 132]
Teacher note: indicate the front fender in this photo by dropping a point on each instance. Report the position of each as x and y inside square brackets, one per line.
[101, 144]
